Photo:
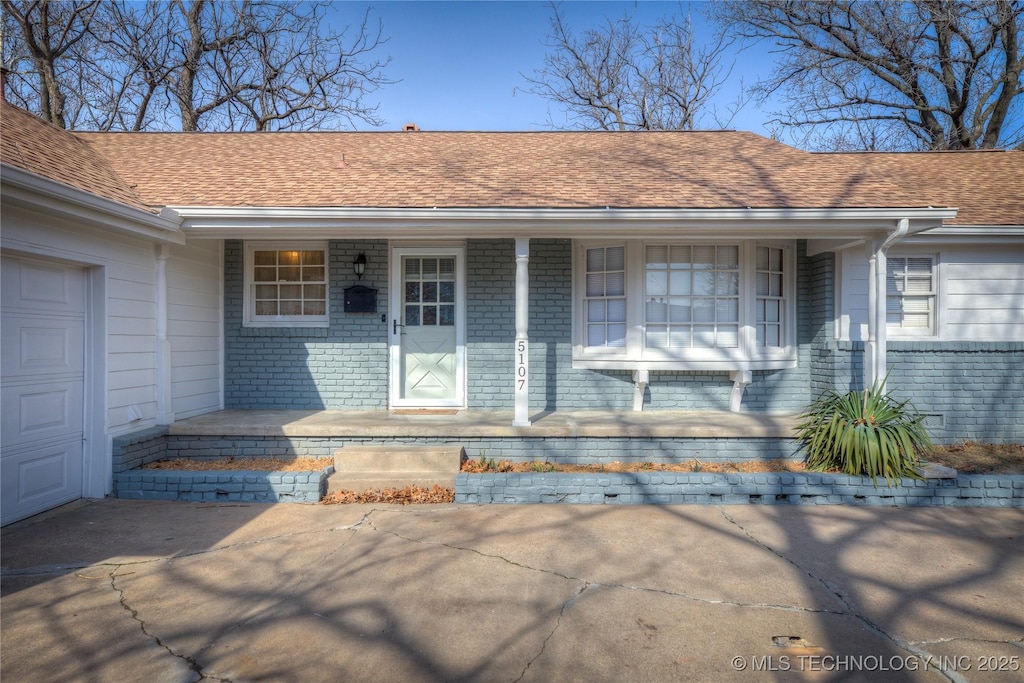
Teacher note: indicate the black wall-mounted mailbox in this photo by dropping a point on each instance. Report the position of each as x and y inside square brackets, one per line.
[360, 299]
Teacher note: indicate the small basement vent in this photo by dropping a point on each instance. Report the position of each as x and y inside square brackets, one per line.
[934, 421]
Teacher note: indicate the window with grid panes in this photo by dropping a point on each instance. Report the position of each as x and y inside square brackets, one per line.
[910, 294]
[429, 297]
[692, 296]
[654, 304]
[770, 303]
[605, 297]
[286, 286]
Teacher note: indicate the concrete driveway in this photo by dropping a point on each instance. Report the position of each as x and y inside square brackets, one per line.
[119, 590]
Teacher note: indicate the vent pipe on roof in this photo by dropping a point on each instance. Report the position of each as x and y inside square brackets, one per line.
[410, 127]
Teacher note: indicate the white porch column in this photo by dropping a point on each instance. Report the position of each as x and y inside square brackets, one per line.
[875, 362]
[522, 343]
[164, 411]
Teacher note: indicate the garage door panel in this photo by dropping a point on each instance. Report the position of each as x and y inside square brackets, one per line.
[41, 412]
[42, 387]
[42, 286]
[39, 479]
[36, 348]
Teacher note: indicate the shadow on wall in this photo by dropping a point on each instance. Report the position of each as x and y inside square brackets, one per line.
[309, 368]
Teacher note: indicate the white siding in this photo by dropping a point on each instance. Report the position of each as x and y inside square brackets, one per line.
[983, 295]
[853, 295]
[194, 327]
[980, 292]
[129, 281]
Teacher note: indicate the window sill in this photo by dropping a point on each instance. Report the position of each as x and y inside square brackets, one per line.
[308, 332]
[720, 365]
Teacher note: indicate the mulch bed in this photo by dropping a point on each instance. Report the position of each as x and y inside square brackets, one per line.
[260, 464]
[966, 457]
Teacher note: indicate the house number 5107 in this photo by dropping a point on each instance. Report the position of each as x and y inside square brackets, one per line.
[522, 353]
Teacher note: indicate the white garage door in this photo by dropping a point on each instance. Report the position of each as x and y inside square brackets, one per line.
[42, 386]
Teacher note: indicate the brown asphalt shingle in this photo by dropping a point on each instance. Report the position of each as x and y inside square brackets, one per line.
[697, 170]
[30, 144]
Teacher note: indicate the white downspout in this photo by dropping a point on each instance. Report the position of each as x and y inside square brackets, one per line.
[875, 362]
[521, 377]
[164, 411]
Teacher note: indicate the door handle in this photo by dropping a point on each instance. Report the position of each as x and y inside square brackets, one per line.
[395, 325]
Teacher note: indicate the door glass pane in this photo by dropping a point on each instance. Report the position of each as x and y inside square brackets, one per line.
[412, 291]
[412, 316]
[446, 292]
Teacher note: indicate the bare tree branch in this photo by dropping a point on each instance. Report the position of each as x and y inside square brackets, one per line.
[622, 77]
[927, 74]
[194, 64]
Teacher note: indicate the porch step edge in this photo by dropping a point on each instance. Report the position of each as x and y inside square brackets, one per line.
[398, 460]
[388, 480]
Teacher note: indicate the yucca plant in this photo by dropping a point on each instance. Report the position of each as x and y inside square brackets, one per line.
[863, 433]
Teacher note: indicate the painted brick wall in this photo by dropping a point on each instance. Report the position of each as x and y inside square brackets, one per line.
[976, 389]
[554, 384]
[674, 488]
[343, 366]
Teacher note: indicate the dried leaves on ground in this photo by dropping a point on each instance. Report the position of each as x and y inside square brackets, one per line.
[971, 457]
[405, 496]
[487, 465]
[258, 464]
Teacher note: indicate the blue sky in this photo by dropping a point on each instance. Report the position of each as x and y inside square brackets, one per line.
[461, 64]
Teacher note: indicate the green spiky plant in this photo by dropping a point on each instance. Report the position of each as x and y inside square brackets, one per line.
[864, 433]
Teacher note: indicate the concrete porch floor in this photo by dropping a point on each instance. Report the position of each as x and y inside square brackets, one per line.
[482, 423]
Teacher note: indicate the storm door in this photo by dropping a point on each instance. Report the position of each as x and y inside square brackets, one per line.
[428, 327]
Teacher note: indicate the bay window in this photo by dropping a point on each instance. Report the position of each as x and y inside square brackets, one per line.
[675, 305]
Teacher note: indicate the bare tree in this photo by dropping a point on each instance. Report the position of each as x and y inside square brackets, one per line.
[41, 36]
[623, 77]
[928, 74]
[209, 65]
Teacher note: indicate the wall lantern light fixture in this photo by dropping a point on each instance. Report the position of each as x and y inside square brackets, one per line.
[359, 266]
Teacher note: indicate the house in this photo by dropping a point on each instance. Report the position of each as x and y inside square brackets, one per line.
[150, 278]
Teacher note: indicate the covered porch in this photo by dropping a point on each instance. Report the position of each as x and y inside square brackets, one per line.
[454, 424]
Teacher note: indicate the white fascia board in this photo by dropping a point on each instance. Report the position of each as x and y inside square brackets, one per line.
[977, 234]
[38, 193]
[321, 223]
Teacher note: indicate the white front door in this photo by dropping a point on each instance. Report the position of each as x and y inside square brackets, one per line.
[428, 327]
[42, 386]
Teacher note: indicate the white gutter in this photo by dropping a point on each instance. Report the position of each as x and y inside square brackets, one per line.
[440, 223]
[37, 192]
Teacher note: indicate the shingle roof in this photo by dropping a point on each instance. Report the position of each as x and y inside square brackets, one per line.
[30, 144]
[699, 170]
[721, 169]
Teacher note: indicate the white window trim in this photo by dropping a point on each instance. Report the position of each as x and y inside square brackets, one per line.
[898, 332]
[249, 318]
[747, 356]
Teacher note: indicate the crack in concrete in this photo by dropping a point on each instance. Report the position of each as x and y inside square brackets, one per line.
[850, 608]
[353, 527]
[660, 591]
[193, 665]
[558, 622]
[57, 569]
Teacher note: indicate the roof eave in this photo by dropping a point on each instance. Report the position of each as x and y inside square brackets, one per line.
[36, 192]
[460, 223]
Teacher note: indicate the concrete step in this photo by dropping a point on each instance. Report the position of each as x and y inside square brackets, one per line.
[357, 468]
